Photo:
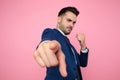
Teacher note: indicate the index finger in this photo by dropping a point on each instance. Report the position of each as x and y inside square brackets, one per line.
[62, 64]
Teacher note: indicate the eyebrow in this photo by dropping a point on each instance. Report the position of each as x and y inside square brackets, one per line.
[71, 20]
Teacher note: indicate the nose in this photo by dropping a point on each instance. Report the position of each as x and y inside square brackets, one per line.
[71, 24]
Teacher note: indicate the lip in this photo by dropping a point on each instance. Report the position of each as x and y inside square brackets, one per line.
[69, 29]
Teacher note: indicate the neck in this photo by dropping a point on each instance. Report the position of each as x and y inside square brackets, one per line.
[60, 31]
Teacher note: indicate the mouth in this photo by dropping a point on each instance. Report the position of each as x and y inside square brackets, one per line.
[69, 28]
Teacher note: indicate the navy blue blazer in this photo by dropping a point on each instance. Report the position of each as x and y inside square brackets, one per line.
[53, 73]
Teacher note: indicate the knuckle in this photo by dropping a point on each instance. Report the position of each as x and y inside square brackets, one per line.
[54, 64]
[42, 65]
[48, 65]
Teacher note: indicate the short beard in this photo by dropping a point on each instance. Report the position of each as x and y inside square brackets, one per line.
[66, 33]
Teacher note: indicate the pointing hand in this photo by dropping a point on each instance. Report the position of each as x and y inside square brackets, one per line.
[50, 54]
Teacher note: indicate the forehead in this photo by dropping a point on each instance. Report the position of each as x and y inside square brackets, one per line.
[70, 15]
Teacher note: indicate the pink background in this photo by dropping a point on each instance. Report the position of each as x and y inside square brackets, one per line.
[21, 25]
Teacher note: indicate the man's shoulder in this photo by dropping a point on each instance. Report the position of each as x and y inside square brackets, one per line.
[49, 30]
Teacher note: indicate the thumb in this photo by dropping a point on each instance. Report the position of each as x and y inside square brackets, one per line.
[54, 46]
[62, 63]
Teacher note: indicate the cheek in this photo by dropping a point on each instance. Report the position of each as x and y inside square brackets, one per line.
[65, 24]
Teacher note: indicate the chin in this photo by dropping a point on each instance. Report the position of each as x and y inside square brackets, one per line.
[67, 33]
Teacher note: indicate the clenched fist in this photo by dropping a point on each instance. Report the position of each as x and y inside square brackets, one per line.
[81, 39]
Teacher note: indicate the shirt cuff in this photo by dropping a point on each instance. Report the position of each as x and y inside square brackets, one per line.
[84, 51]
[44, 41]
[41, 43]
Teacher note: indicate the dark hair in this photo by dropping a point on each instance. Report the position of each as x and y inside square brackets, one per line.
[69, 8]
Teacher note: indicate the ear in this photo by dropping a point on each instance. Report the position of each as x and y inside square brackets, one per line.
[59, 19]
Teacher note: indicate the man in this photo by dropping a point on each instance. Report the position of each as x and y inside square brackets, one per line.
[57, 54]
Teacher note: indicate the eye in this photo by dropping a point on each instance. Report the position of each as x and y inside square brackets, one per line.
[69, 20]
[74, 22]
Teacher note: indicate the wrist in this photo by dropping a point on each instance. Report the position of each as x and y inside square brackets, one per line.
[85, 50]
[83, 46]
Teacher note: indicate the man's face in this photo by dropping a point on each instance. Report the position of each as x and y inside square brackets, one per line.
[66, 22]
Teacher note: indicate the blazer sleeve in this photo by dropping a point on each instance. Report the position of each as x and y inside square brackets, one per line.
[83, 58]
[48, 34]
